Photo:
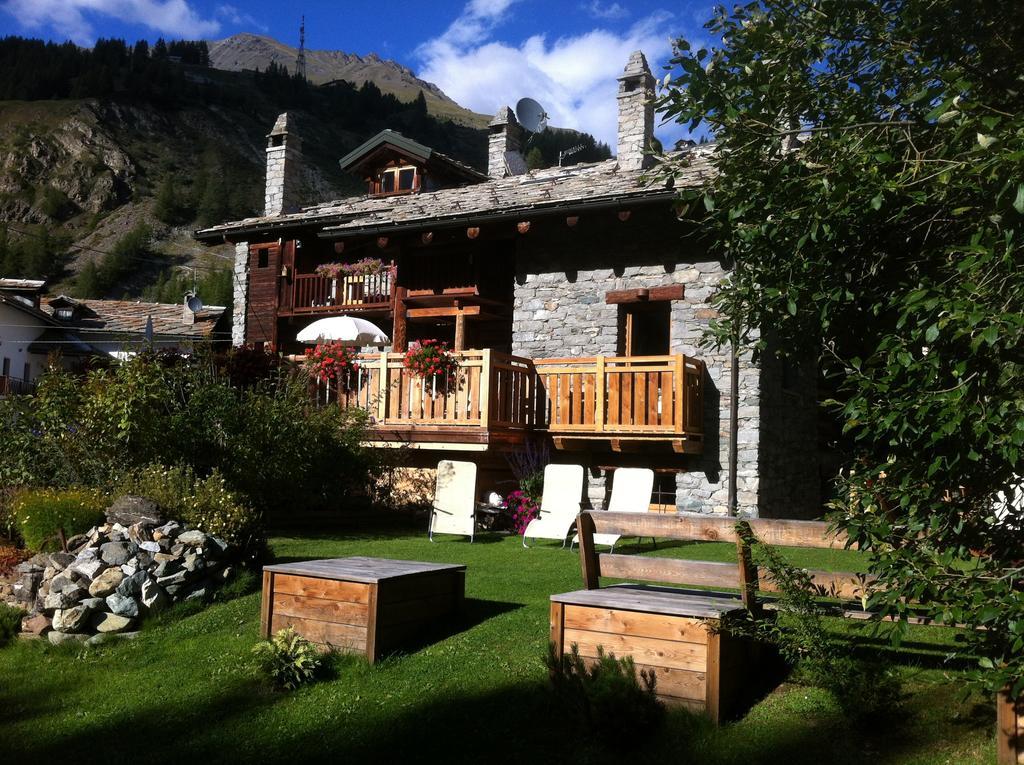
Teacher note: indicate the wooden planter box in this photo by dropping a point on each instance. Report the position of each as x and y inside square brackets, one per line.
[671, 634]
[360, 605]
[1009, 730]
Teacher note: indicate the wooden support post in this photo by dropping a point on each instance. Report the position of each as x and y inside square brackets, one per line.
[599, 394]
[1009, 736]
[399, 341]
[588, 555]
[748, 575]
[267, 604]
[460, 331]
[485, 388]
[382, 389]
[681, 415]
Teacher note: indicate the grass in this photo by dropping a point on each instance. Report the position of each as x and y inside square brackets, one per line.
[185, 690]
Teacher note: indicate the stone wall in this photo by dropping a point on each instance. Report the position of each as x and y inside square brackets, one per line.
[283, 174]
[241, 291]
[560, 310]
[636, 113]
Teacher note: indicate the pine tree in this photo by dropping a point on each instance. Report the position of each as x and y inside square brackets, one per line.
[535, 159]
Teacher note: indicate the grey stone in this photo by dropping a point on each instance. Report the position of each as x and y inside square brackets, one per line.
[167, 568]
[173, 580]
[116, 553]
[110, 622]
[143, 559]
[138, 533]
[109, 637]
[129, 510]
[61, 560]
[193, 563]
[94, 604]
[90, 569]
[152, 547]
[106, 583]
[123, 605]
[72, 619]
[169, 530]
[131, 586]
[78, 541]
[153, 596]
[61, 581]
[29, 586]
[56, 600]
[197, 594]
[216, 546]
[177, 550]
[195, 538]
[58, 638]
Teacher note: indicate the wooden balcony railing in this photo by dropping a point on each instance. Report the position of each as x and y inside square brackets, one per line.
[648, 398]
[622, 395]
[13, 386]
[322, 294]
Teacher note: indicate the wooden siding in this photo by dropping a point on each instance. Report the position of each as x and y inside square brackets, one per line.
[261, 312]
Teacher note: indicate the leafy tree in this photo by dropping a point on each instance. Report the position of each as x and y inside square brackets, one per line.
[870, 194]
[535, 159]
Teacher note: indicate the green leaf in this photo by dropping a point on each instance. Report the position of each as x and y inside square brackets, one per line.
[791, 307]
[931, 333]
[986, 140]
[876, 202]
[1018, 203]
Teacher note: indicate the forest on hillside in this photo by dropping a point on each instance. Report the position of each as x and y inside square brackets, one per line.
[198, 171]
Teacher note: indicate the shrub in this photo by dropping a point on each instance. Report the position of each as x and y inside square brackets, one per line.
[41, 513]
[866, 689]
[606, 697]
[206, 504]
[288, 659]
[10, 623]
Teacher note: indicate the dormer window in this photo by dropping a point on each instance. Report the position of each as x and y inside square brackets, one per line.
[399, 180]
[65, 314]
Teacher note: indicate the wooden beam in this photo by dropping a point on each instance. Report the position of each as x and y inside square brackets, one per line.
[709, 528]
[425, 313]
[646, 295]
[670, 570]
[572, 220]
[427, 237]
[473, 232]
[748, 574]
[523, 226]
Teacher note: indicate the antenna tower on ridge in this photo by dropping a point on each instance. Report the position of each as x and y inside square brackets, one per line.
[300, 60]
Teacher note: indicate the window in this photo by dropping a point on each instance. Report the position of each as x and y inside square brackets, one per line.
[7, 367]
[663, 497]
[398, 180]
[65, 314]
[645, 328]
[28, 372]
[262, 257]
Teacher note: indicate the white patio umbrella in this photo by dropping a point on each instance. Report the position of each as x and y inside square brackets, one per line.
[344, 329]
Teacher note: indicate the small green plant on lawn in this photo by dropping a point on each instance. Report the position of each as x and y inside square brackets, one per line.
[40, 514]
[866, 689]
[10, 623]
[606, 697]
[288, 659]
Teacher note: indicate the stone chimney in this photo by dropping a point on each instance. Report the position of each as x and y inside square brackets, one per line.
[188, 316]
[284, 157]
[503, 147]
[636, 113]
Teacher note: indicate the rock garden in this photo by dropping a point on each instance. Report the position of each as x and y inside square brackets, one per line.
[108, 578]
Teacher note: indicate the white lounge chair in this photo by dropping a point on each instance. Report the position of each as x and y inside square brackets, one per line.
[454, 510]
[631, 493]
[559, 504]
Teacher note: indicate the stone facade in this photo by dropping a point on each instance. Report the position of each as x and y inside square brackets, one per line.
[505, 135]
[560, 310]
[284, 167]
[636, 113]
[241, 292]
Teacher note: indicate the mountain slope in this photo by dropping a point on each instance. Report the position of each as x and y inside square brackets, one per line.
[248, 51]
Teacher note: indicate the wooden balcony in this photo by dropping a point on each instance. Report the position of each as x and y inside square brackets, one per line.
[312, 294]
[502, 399]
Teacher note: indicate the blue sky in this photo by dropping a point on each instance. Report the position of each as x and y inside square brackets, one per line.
[483, 53]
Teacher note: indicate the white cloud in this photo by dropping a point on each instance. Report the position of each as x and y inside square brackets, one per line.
[611, 11]
[72, 18]
[233, 15]
[574, 77]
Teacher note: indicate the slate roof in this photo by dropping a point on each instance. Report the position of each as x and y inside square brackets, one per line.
[539, 191]
[119, 317]
[21, 284]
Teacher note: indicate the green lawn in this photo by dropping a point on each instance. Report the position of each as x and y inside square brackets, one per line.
[185, 690]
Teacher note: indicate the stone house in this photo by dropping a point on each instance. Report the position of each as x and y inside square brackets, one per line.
[575, 297]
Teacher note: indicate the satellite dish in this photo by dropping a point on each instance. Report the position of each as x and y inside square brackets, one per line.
[195, 305]
[531, 115]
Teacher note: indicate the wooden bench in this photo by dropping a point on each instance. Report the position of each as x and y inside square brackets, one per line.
[360, 605]
[676, 632]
